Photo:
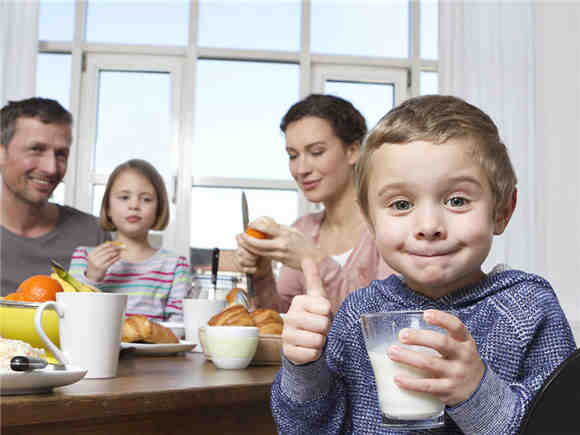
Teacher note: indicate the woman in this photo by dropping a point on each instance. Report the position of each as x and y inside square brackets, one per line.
[323, 138]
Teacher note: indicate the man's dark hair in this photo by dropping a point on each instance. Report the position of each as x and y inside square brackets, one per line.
[46, 110]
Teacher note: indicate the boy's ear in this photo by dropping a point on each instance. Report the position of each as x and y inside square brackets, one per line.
[504, 214]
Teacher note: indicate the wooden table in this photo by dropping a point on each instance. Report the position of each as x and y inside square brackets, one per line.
[150, 395]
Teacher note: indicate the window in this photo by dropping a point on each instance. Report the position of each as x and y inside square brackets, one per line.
[198, 88]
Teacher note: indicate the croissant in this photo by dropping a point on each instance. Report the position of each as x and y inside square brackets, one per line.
[268, 321]
[236, 315]
[140, 328]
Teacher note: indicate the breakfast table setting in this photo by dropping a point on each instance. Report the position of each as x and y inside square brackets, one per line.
[76, 364]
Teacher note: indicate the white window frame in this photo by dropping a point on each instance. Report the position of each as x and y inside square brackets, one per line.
[352, 66]
[86, 177]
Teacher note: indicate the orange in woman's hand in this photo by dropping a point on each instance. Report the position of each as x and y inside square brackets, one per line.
[257, 233]
[39, 288]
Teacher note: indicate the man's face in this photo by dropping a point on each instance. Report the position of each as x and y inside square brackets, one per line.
[34, 161]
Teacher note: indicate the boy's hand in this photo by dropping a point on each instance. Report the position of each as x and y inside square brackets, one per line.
[307, 322]
[453, 376]
[100, 259]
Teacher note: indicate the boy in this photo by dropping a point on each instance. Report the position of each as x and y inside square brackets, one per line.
[435, 184]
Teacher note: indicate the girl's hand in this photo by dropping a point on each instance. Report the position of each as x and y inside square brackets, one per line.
[286, 245]
[100, 259]
[307, 322]
[455, 374]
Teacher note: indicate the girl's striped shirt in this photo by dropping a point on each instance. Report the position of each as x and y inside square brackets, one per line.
[156, 287]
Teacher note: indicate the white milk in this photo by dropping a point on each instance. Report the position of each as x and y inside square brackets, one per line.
[395, 402]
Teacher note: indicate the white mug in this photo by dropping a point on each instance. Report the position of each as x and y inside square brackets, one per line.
[196, 313]
[90, 331]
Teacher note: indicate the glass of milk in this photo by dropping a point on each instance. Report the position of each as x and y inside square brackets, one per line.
[400, 408]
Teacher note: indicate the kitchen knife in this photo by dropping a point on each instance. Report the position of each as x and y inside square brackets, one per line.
[249, 278]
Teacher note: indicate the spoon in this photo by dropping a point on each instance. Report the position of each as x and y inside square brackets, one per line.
[25, 364]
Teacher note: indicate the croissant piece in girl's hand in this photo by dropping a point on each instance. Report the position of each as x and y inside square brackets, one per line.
[140, 328]
[236, 315]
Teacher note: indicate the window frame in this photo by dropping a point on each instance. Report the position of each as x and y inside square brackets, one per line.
[308, 62]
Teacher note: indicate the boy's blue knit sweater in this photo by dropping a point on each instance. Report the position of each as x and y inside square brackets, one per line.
[521, 333]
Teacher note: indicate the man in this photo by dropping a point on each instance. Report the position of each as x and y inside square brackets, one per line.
[35, 140]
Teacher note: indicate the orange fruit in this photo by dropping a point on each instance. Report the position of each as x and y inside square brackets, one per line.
[39, 288]
[256, 233]
[13, 296]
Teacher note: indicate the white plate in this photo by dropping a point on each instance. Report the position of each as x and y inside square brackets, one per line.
[159, 349]
[38, 381]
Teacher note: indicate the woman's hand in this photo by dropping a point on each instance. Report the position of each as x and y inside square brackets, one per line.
[286, 245]
[100, 259]
[453, 375]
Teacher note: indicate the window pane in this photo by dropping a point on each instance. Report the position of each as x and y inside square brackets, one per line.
[58, 193]
[216, 214]
[257, 24]
[238, 109]
[98, 192]
[56, 20]
[159, 22]
[53, 72]
[363, 28]
[429, 83]
[133, 119]
[429, 13]
[373, 100]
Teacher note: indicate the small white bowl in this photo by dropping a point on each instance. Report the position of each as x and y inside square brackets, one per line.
[231, 347]
[178, 328]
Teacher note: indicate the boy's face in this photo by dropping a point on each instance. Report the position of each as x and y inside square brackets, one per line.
[431, 208]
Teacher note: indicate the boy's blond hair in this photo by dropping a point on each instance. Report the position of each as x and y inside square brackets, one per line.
[148, 171]
[437, 119]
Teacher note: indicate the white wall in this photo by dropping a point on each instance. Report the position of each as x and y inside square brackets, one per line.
[557, 67]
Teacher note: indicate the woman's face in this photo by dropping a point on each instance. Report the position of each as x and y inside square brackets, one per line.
[319, 162]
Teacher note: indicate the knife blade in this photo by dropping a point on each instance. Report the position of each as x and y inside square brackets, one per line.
[215, 260]
[249, 278]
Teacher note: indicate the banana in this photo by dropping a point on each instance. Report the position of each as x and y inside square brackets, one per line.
[66, 287]
[71, 284]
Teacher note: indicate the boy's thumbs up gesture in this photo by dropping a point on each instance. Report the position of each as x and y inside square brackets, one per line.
[307, 322]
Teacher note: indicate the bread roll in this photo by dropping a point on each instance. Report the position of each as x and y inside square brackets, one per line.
[268, 321]
[262, 316]
[272, 328]
[140, 328]
[236, 315]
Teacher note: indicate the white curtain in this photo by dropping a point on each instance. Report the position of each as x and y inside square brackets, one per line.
[18, 48]
[487, 58]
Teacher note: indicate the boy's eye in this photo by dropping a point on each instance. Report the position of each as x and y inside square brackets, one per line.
[457, 201]
[317, 153]
[401, 205]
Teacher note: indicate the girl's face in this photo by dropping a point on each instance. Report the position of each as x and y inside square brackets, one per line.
[319, 162]
[133, 204]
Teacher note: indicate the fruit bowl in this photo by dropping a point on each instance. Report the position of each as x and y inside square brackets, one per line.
[17, 323]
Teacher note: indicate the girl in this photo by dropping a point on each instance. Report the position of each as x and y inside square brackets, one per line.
[135, 201]
[323, 138]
